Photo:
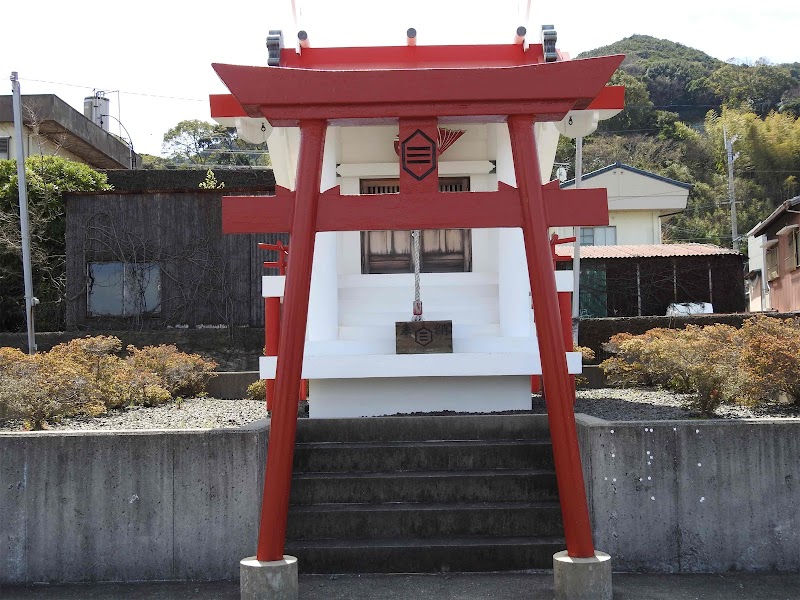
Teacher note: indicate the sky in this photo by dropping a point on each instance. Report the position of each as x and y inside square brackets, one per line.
[153, 58]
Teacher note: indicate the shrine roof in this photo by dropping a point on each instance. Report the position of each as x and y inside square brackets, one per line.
[412, 57]
[468, 86]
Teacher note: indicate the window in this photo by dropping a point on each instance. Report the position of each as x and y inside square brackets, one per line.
[441, 250]
[5, 148]
[598, 236]
[123, 289]
[772, 263]
[793, 259]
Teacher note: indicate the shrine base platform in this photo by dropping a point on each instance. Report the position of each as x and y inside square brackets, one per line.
[343, 398]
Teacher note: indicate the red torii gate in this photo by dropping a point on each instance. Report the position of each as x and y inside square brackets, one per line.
[418, 87]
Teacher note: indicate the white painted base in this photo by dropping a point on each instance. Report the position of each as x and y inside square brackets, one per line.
[346, 398]
[352, 362]
[582, 578]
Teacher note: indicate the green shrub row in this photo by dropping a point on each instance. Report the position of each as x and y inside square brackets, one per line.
[87, 377]
[758, 363]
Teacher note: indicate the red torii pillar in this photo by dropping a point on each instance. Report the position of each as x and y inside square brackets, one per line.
[532, 206]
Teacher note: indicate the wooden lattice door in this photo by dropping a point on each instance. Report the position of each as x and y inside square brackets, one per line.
[442, 250]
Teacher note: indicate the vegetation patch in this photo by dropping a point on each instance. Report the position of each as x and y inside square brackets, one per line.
[88, 376]
[756, 364]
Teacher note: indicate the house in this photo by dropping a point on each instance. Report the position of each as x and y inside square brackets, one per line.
[150, 254]
[773, 279]
[639, 203]
[51, 126]
[628, 270]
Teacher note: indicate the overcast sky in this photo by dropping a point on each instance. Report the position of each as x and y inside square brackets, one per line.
[153, 58]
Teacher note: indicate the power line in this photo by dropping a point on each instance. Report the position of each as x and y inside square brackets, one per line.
[94, 87]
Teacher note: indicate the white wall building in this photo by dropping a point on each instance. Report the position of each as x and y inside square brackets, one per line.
[639, 203]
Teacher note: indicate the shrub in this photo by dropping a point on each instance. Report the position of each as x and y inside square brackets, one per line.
[85, 377]
[587, 354]
[180, 374]
[716, 363]
[114, 383]
[43, 386]
[770, 355]
[257, 390]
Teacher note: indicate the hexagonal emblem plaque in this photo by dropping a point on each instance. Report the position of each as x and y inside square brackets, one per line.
[418, 155]
[423, 337]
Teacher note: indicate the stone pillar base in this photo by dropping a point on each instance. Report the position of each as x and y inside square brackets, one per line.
[274, 580]
[582, 578]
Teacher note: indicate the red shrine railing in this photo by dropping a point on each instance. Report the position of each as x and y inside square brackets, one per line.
[272, 318]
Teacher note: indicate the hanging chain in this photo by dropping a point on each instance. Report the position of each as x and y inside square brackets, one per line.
[417, 308]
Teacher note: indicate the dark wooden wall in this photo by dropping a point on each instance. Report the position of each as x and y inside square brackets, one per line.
[207, 278]
[659, 289]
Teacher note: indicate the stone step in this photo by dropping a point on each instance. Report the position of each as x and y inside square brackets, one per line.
[422, 456]
[495, 485]
[424, 520]
[475, 315]
[425, 428]
[425, 555]
[435, 299]
[386, 331]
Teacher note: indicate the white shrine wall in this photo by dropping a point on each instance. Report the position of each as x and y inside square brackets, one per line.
[350, 356]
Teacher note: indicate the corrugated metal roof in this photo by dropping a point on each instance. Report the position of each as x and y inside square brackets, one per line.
[645, 250]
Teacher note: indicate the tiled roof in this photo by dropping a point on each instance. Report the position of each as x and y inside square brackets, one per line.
[645, 250]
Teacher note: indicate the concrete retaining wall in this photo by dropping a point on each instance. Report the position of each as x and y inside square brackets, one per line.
[133, 506]
[668, 496]
[231, 386]
[694, 496]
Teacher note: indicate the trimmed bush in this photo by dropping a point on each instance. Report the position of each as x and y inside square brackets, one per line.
[715, 363]
[86, 377]
[180, 373]
[41, 387]
[257, 390]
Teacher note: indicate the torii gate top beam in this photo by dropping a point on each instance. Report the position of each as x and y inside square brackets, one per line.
[362, 92]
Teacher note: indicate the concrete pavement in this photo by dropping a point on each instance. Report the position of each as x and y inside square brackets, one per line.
[455, 586]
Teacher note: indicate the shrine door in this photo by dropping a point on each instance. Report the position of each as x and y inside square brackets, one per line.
[442, 250]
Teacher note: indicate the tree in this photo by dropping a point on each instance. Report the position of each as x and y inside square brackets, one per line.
[154, 162]
[674, 74]
[48, 178]
[639, 115]
[195, 142]
[186, 142]
[758, 88]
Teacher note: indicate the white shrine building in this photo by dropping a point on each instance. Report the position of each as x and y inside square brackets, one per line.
[363, 282]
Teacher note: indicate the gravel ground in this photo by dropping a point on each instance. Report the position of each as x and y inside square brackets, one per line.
[194, 413]
[609, 403]
[615, 404]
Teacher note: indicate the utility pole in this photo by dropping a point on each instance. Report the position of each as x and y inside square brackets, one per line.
[24, 224]
[731, 196]
[576, 248]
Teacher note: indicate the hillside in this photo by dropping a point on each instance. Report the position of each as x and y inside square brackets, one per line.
[676, 76]
[678, 100]
[646, 50]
